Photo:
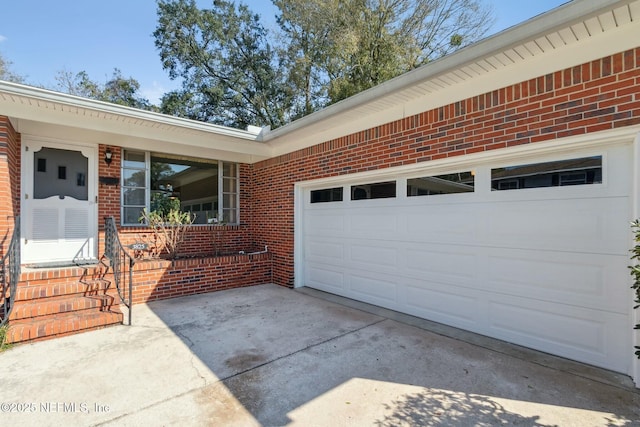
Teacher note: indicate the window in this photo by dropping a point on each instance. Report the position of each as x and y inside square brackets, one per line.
[461, 182]
[587, 170]
[379, 190]
[134, 186]
[42, 165]
[206, 188]
[229, 190]
[326, 195]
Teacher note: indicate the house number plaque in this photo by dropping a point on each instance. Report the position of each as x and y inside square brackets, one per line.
[138, 246]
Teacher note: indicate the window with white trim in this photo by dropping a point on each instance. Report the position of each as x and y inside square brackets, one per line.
[460, 182]
[206, 188]
[559, 173]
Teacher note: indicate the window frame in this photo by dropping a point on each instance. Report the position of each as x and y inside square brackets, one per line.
[147, 168]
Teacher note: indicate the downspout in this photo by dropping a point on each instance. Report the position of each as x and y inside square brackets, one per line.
[635, 315]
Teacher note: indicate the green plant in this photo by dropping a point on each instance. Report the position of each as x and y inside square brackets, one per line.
[168, 227]
[635, 271]
[3, 338]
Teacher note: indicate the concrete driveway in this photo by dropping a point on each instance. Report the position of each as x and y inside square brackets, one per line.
[271, 356]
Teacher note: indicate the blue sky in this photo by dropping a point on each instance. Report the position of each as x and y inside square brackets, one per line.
[42, 37]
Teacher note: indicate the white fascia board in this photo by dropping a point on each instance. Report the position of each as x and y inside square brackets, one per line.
[325, 123]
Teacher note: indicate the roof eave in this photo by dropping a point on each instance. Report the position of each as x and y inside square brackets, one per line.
[548, 22]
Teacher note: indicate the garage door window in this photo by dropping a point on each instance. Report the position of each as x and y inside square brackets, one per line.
[326, 195]
[379, 190]
[582, 171]
[461, 182]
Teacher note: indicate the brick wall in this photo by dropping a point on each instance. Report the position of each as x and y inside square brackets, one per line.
[600, 95]
[161, 279]
[201, 239]
[9, 180]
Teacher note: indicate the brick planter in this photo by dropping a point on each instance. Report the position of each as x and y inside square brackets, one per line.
[161, 279]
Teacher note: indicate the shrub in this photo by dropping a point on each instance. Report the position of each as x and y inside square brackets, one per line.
[168, 227]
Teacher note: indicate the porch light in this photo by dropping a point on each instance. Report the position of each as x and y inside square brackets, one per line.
[107, 156]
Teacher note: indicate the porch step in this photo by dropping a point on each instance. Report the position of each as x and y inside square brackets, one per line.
[60, 304]
[65, 287]
[58, 325]
[61, 301]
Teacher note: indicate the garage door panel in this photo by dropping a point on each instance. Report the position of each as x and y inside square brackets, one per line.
[441, 306]
[325, 223]
[374, 290]
[585, 225]
[451, 227]
[379, 225]
[374, 256]
[569, 331]
[444, 265]
[330, 251]
[587, 280]
[323, 278]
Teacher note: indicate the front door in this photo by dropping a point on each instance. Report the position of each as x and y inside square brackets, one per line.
[59, 210]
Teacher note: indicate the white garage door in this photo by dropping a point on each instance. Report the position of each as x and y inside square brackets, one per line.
[535, 253]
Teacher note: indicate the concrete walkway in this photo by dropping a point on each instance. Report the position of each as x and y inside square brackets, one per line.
[271, 356]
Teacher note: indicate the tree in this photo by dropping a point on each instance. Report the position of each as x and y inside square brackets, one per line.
[325, 51]
[308, 45]
[6, 73]
[227, 65]
[358, 44]
[117, 90]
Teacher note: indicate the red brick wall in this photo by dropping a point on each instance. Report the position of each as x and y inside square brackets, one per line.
[201, 239]
[9, 180]
[600, 95]
[108, 195]
[160, 279]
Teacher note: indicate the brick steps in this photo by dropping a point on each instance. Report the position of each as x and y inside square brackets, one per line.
[46, 290]
[61, 324]
[60, 304]
[56, 302]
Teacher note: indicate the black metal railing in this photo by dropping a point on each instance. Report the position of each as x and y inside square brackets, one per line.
[10, 273]
[121, 263]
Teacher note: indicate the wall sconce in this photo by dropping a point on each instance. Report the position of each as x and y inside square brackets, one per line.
[108, 156]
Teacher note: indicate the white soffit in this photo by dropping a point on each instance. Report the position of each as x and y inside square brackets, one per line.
[40, 112]
[572, 34]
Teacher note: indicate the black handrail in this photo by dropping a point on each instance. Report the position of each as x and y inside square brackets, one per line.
[10, 273]
[119, 257]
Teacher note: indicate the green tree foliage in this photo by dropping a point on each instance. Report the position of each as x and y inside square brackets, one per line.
[324, 51]
[349, 46]
[6, 73]
[117, 89]
[231, 75]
